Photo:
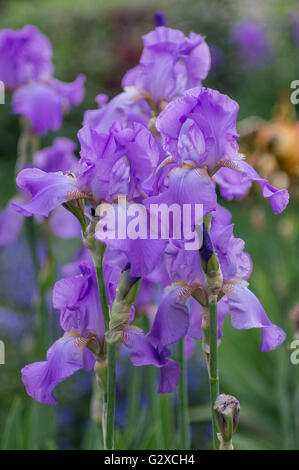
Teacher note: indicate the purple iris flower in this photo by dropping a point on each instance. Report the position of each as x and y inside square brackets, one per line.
[25, 55]
[44, 103]
[59, 157]
[143, 253]
[65, 357]
[199, 133]
[117, 163]
[48, 191]
[232, 186]
[170, 64]
[294, 23]
[160, 19]
[217, 58]
[26, 69]
[77, 299]
[125, 108]
[10, 223]
[173, 320]
[250, 38]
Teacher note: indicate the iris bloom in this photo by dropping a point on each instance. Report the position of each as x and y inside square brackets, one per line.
[185, 301]
[170, 64]
[77, 299]
[199, 135]
[26, 70]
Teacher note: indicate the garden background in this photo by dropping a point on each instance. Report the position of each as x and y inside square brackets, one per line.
[102, 39]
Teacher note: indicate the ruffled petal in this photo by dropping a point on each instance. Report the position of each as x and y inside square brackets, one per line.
[65, 357]
[123, 108]
[25, 55]
[48, 191]
[247, 312]
[171, 322]
[200, 127]
[279, 198]
[170, 64]
[59, 157]
[41, 104]
[143, 353]
[72, 92]
[187, 186]
[78, 300]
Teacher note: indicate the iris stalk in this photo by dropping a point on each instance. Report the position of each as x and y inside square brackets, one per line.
[109, 407]
[213, 358]
[183, 400]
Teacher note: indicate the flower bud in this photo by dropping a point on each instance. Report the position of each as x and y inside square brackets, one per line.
[95, 247]
[160, 19]
[294, 316]
[210, 264]
[126, 294]
[226, 410]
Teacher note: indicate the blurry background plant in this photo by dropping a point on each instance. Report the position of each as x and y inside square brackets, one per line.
[102, 40]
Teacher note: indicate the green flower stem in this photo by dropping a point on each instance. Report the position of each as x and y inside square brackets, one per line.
[109, 407]
[28, 144]
[103, 295]
[184, 429]
[41, 303]
[213, 372]
[166, 419]
[155, 408]
[110, 397]
[134, 394]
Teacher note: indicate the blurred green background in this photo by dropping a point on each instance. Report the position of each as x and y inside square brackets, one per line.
[102, 39]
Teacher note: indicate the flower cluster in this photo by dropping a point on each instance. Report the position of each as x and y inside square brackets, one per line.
[164, 140]
[27, 71]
